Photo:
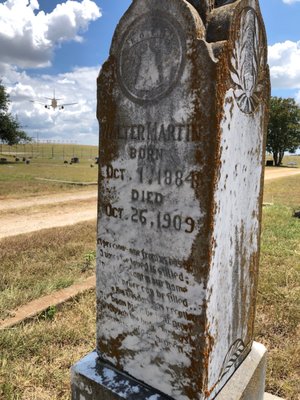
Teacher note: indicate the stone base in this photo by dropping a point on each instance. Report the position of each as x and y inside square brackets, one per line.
[248, 381]
[269, 396]
[91, 379]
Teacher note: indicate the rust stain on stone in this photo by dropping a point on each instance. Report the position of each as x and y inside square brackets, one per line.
[199, 259]
[107, 111]
[106, 115]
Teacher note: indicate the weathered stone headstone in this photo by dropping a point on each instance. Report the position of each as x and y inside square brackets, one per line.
[182, 108]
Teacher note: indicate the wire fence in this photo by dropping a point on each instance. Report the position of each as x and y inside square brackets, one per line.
[46, 150]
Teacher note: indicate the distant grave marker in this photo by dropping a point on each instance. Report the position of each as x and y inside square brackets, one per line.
[182, 121]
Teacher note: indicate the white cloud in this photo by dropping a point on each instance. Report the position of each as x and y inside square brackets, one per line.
[290, 1]
[284, 61]
[28, 37]
[75, 123]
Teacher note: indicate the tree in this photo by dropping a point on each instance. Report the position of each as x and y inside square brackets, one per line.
[284, 128]
[10, 129]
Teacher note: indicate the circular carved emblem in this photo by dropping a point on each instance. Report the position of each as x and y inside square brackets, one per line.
[151, 57]
[248, 61]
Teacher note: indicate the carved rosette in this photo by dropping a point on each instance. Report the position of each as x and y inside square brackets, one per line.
[151, 57]
[248, 61]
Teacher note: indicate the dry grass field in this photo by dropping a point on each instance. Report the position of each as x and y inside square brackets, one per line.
[35, 357]
[46, 163]
[39, 263]
[278, 312]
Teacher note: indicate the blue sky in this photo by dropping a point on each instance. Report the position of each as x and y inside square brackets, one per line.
[61, 45]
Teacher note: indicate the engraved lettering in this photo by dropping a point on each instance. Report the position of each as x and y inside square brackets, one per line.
[152, 132]
[115, 212]
[149, 153]
[115, 173]
[175, 299]
[146, 197]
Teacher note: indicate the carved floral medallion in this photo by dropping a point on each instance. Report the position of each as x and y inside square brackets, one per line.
[248, 61]
[151, 57]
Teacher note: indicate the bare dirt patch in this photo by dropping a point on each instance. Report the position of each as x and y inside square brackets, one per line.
[278, 172]
[20, 216]
[10, 204]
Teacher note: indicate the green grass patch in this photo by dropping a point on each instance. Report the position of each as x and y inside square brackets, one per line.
[20, 179]
[35, 358]
[18, 188]
[37, 264]
[278, 313]
[278, 310]
[284, 191]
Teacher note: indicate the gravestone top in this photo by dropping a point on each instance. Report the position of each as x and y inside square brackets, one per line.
[219, 3]
[182, 124]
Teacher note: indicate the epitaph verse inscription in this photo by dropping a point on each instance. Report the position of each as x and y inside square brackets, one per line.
[248, 62]
[151, 57]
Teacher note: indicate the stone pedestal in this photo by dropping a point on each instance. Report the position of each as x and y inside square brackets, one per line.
[95, 380]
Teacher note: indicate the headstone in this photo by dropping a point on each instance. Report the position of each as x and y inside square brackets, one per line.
[297, 214]
[182, 108]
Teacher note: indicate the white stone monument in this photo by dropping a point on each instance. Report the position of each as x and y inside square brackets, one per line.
[182, 108]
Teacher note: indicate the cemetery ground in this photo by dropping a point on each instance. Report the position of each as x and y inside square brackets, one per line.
[46, 169]
[49, 191]
[35, 357]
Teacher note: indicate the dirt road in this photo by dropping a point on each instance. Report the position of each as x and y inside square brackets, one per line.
[278, 172]
[10, 204]
[42, 212]
[32, 214]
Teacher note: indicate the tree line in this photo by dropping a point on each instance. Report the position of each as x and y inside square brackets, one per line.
[284, 128]
[283, 133]
[11, 131]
